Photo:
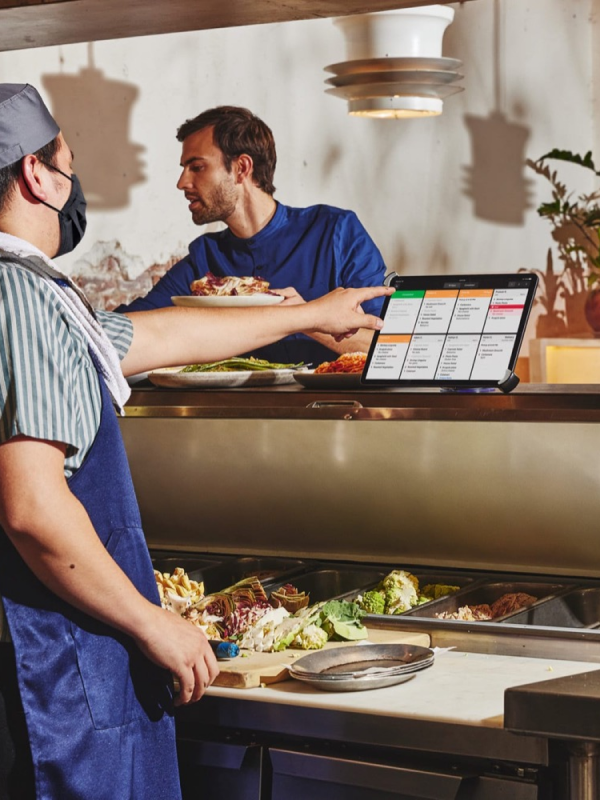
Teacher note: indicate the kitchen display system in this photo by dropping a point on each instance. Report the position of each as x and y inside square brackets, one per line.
[462, 331]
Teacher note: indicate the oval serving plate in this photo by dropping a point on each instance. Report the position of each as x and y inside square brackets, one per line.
[174, 378]
[225, 301]
[344, 669]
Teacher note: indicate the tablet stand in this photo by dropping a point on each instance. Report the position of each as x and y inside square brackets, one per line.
[509, 382]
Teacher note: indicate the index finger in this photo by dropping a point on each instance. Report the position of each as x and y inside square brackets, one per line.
[370, 292]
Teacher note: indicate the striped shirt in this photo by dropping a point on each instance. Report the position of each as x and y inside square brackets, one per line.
[48, 383]
[49, 387]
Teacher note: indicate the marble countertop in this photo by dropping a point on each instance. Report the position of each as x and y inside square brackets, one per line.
[459, 688]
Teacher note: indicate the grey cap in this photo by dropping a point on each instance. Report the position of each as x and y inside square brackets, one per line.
[25, 122]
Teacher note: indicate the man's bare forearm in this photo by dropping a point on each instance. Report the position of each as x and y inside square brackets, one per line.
[175, 336]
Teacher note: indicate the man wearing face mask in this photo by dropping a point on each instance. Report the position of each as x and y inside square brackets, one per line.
[86, 695]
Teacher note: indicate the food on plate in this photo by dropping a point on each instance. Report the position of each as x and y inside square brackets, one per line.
[507, 604]
[399, 591]
[176, 590]
[239, 364]
[228, 285]
[289, 597]
[348, 362]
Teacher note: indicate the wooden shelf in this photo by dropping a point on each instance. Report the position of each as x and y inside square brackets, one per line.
[34, 23]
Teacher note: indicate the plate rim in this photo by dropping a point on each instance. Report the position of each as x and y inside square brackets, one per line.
[346, 653]
[225, 301]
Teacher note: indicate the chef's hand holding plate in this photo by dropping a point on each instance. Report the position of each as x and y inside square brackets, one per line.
[174, 644]
[292, 297]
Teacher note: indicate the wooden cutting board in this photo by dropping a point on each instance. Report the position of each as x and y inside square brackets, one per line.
[256, 669]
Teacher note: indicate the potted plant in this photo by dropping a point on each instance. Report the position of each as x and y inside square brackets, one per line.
[575, 220]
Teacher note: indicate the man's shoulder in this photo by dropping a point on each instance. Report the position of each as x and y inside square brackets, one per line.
[320, 212]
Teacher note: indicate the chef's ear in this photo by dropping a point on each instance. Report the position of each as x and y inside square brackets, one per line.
[34, 176]
[244, 167]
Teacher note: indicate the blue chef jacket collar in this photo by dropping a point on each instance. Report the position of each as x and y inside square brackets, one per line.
[276, 222]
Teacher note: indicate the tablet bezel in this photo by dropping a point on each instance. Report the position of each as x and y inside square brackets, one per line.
[427, 282]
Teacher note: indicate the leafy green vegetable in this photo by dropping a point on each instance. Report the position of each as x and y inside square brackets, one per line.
[239, 364]
[343, 620]
[373, 602]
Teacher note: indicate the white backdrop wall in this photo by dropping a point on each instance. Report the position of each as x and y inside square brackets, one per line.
[531, 83]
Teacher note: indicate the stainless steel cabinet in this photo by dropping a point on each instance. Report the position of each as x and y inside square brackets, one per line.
[298, 776]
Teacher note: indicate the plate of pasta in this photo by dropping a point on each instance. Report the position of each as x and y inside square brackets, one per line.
[343, 373]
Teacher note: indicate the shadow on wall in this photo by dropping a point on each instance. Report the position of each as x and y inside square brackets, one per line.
[496, 180]
[94, 116]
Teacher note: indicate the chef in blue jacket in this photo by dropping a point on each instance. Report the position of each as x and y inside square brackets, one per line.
[228, 162]
[86, 694]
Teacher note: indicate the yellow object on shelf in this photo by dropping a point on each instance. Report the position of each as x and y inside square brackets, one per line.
[566, 360]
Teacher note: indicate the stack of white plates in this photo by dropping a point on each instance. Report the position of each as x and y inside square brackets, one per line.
[395, 87]
[369, 666]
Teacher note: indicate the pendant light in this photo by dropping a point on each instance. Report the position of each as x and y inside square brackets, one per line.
[395, 67]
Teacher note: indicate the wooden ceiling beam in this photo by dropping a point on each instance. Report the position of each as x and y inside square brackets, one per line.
[41, 23]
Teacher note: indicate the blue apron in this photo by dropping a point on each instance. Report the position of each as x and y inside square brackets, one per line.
[99, 714]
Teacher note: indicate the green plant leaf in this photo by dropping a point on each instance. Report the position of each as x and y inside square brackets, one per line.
[573, 158]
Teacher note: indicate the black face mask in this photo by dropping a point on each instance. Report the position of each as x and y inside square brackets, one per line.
[71, 217]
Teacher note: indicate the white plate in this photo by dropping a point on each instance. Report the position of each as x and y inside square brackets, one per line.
[331, 380]
[174, 378]
[222, 301]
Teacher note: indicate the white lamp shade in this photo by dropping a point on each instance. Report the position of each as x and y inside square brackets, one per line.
[407, 32]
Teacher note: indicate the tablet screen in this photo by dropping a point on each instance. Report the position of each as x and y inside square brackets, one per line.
[444, 330]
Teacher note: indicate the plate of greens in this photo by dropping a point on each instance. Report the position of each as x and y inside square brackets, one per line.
[230, 373]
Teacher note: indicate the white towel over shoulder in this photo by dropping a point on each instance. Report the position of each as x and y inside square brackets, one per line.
[76, 303]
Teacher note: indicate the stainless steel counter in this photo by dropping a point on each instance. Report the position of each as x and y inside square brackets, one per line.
[529, 402]
[505, 482]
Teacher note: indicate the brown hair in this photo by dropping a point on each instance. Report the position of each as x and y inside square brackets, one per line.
[10, 175]
[238, 131]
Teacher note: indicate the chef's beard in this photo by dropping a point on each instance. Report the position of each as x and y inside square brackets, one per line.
[217, 207]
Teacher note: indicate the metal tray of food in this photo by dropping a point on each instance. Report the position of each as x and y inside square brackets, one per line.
[575, 608]
[266, 569]
[330, 583]
[425, 579]
[503, 599]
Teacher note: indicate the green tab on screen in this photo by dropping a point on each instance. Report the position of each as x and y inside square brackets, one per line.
[413, 293]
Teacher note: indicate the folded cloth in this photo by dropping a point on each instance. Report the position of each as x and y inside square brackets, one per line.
[70, 295]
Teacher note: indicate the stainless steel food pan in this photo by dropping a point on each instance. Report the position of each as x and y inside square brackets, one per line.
[327, 584]
[191, 564]
[265, 569]
[577, 608]
[486, 593]
[460, 579]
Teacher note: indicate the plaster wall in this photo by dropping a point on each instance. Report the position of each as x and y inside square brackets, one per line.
[447, 194]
